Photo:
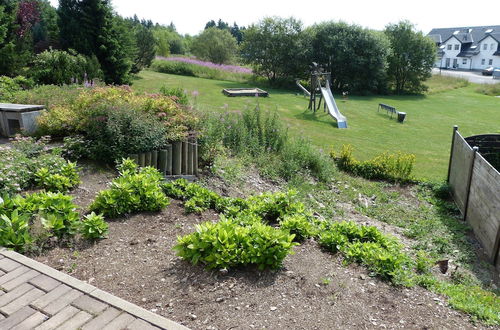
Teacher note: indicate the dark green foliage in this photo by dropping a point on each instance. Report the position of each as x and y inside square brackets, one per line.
[90, 27]
[146, 47]
[356, 57]
[276, 48]
[215, 45]
[411, 58]
[226, 244]
[56, 67]
[135, 190]
[115, 133]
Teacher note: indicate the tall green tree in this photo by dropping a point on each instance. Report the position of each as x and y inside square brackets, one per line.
[215, 45]
[276, 48]
[411, 58]
[91, 28]
[46, 31]
[356, 57]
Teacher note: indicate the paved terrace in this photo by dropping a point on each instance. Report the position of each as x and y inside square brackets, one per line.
[36, 296]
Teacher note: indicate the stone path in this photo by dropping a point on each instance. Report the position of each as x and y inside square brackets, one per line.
[36, 296]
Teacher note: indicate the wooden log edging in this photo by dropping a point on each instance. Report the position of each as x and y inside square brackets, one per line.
[179, 158]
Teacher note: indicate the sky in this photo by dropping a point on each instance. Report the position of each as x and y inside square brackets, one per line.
[190, 16]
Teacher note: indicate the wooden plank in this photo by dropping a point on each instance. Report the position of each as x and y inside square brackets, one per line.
[459, 170]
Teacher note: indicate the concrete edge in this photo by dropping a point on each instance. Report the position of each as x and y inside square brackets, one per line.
[94, 292]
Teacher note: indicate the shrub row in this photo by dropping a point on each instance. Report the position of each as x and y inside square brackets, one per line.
[390, 167]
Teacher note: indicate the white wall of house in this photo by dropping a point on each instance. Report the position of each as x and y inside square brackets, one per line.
[451, 50]
[485, 57]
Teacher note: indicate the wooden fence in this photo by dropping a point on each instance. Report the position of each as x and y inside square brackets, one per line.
[176, 159]
[475, 186]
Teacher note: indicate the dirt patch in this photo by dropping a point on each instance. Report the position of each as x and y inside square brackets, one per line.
[313, 290]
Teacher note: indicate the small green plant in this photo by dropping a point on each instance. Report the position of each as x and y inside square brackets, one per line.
[93, 226]
[135, 190]
[58, 179]
[14, 231]
[177, 93]
[299, 225]
[226, 244]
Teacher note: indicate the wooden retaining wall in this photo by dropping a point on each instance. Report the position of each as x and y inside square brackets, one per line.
[177, 159]
[475, 186]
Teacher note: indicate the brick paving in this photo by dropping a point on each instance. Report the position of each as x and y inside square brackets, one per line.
[35, 296]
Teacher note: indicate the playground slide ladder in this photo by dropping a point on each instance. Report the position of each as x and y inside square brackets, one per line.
[333, 110]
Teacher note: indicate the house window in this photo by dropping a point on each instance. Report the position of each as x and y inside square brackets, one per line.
[485, 46]
[483, 61]
[449, 47]
[464, 61]
[457, 47]
[492, 46]
[490, 62]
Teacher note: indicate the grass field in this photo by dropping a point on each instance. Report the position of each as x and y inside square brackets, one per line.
[426, 132]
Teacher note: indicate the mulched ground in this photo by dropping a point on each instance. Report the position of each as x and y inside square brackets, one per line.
[312, 291]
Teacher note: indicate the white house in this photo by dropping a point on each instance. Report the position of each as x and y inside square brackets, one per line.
[470, 48]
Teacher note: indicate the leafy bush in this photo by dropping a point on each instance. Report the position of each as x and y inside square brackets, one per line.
[58, 67]
[93, 226]
[226, 244]
[135, 190]
[14, 231]
[176, 93]
[391, 167]
[9, 86]
[367, 245]
[298, 225]
[20, 166]
[58, 179]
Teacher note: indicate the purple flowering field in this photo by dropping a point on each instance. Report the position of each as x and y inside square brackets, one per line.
[223, 67]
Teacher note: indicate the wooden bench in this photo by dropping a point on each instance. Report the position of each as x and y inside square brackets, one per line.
[388, 108]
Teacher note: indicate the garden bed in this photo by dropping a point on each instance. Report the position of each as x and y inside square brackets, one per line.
[313, 289]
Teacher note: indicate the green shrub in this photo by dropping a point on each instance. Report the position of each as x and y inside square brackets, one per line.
[178, 94]
[367, 245]
[391, 167]
[93, 226]
[298, 225]
[14, 231]
[76, 147]
[60, 179]
[273, 206]
[19, 165]
[226, 244]
[135, 190]
[58, 67]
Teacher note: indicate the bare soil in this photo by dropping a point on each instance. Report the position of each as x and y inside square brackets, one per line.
[313, 290]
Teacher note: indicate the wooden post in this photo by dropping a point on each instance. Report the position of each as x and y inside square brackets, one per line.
[177, 158]
[162, 161]
[190, 158]
[184, 157]
[455, 128]
[154, 159]
[148, 159]
[142, 159]
[496, 250]
[469, 180]
[195, 158]
[169, 159]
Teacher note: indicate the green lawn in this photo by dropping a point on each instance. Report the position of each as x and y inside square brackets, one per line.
[426, 132]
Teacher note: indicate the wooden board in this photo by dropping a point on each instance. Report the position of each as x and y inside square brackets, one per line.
[459, 170]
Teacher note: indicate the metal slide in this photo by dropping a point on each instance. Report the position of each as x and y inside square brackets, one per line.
[332, 108]
[297, 81]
